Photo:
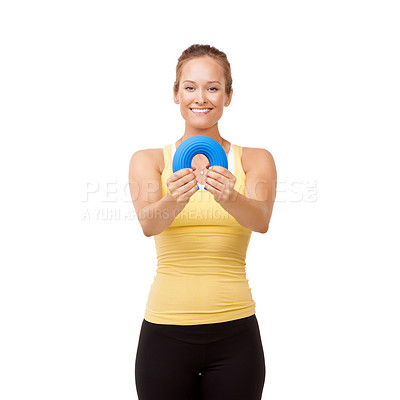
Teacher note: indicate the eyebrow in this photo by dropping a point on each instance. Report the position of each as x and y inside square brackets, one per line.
[207, 82]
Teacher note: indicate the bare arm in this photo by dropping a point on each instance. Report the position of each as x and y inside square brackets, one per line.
[254, 210]
[156, 213]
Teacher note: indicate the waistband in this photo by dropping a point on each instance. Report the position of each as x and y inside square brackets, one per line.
[204, 333]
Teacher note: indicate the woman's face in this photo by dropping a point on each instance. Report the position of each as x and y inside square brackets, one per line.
[202, 86]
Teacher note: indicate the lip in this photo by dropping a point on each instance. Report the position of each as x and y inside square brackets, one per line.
[201, 108]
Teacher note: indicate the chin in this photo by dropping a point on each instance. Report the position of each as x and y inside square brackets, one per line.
[200, 125]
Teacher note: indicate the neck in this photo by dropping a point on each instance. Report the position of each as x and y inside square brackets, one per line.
[211, 132]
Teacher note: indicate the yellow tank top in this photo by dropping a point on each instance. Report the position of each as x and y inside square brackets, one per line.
[201, 267]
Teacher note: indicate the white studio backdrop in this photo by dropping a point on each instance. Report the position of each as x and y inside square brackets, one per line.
[85, 84]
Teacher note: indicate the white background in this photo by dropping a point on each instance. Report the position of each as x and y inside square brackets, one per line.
[85, 84]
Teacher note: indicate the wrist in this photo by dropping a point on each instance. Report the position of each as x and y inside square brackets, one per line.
[232, 198]
[177, 203]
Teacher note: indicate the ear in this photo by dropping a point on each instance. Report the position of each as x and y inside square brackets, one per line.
[229, 98]
[176, 98]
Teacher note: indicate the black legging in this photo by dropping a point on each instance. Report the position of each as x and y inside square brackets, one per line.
[219, 361]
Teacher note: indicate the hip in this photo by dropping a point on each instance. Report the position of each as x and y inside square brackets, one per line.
[202, 333]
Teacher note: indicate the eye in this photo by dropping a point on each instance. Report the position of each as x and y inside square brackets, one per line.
[188, 87]
[214, 88]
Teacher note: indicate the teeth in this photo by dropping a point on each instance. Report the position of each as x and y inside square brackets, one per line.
[201, 109]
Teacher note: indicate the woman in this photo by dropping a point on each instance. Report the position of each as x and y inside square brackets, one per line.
[200, 338]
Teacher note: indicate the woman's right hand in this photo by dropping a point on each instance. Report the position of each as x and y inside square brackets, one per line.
[182, 185]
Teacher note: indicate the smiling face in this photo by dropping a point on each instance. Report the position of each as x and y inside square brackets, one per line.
[201, 93]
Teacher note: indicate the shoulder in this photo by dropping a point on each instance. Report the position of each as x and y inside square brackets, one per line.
[150, 157]
[256, 158]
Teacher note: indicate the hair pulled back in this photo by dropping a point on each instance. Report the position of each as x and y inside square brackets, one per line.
[200, 50]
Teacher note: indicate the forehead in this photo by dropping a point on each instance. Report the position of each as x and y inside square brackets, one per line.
[202, 69]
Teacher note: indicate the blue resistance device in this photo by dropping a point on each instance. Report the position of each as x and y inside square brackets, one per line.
[199, 145]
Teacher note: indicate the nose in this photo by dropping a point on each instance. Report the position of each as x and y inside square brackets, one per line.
[200, 98]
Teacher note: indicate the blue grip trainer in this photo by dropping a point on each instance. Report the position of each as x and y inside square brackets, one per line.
[199, 145]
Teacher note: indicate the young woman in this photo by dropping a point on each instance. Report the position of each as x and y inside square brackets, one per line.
[200, 337]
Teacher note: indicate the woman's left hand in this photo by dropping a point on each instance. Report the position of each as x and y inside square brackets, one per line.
[220, 182]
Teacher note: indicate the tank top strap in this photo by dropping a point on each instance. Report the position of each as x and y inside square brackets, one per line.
[239, 172]
[167, 171]
[167, 156]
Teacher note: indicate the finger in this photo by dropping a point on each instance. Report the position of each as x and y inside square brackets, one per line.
[210, 189]
[215, 183]
[216, 176]
[176, 186]
[188, 194]
[218, 170]
[180, 173]
[187, 187]
[176, 183]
